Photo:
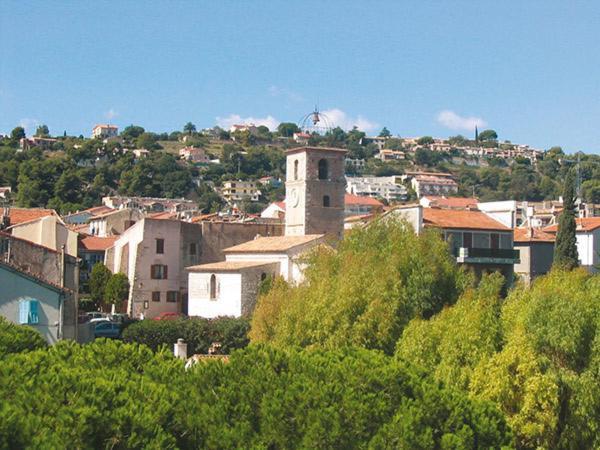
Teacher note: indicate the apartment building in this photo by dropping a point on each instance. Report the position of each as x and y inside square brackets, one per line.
[105, 131]
[237, 191]
[431, 183]
[385, 188]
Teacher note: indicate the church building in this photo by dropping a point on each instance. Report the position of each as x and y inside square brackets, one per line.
[315, 187]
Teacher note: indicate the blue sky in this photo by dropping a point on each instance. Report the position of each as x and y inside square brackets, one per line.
[528, 69]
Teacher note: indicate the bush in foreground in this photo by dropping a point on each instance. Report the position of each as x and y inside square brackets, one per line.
[198, 333]
[115, 395]
[18, 338]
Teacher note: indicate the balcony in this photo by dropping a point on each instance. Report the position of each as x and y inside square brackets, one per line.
[473, 255]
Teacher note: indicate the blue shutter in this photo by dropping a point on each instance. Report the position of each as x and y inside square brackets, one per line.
[24, 311]
[33, 311]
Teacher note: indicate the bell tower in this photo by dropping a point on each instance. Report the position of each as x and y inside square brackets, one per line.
[314, 191]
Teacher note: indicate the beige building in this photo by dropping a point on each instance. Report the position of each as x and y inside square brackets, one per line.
[432, 183]
[49, 231]
[105, 131]
[114, 222]
[314, 191]
[237, 191]
[315, 188]
[536, 253]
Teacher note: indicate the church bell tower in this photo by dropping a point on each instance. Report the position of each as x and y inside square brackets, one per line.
[314, 191]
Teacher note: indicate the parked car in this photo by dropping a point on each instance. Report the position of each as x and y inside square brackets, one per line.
[169, 316]
[120, 318]
[107, 329]
[96, 315]
[100, 319]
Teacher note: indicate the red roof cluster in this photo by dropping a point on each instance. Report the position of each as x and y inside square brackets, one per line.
[95, 243]
[460, 219]
[22, 215]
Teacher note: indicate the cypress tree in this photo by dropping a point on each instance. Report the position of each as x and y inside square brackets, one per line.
[565, 248]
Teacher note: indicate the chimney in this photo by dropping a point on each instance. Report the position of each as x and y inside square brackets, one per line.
[180, 349]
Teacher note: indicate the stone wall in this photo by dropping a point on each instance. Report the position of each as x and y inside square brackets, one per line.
[217, 236]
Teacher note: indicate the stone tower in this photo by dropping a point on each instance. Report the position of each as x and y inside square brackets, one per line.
[314, 191]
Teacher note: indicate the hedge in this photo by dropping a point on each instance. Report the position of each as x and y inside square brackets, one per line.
[198, 333]
[18, 338]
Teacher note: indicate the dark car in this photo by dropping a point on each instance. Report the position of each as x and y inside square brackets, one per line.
[107, 329]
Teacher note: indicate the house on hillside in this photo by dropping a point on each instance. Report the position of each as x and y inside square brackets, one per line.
[44, 229]
[536, 252]
[105, 131]
[476, 240]
[588, 241]
[39, 288]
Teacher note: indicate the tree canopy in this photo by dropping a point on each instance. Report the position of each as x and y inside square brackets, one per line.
[565, 248]
[364, 293]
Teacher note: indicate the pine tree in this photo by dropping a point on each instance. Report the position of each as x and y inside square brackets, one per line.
[565, 248]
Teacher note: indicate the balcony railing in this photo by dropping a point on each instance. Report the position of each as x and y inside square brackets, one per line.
[465, 254]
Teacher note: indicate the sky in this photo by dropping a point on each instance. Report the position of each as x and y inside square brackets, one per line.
[528, 69]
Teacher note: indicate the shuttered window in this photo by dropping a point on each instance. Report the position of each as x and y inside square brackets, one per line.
[28, 311]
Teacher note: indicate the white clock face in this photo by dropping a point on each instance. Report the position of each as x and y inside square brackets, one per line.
[294, 197]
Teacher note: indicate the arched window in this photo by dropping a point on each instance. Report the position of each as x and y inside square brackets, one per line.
[295, 169]
[323, 169]
[326, 201]
[213, 287]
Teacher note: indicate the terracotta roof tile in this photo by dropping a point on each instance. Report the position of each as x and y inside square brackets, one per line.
[583, 224]
[452, 202]
[351, 199]
[22, 215]
[274, 244]
[525, 235]
[95, 243]
[463, 219]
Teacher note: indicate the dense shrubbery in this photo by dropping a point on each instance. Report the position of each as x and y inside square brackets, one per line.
[536, 355]
[364, 293]
[197, 333]
[18, 338]
[110, 394]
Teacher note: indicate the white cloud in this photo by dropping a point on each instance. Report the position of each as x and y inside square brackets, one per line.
[111, 114]
[30, 125]
[453, 121]
[235, 119]
[276, 91]
[338, 118]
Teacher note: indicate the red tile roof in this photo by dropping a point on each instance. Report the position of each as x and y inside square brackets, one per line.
[460, 219]
[583, 224]
[452, 202]
[22, 215]
[351, 199]
[95, 243]
[532, 235]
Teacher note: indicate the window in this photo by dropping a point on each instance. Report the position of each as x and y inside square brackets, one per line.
[326, 201]
[467, 240]
[158, 272]
[156, 296]
[296, 169]
[193, 248]
[28, 311]
[213, 287]
[172, 296]
[160, 246]
[323, 169]
[495, 240]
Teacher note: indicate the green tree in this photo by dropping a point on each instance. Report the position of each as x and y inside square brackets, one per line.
[99, 278]
[42, 131]
[347, 299]
[287, 129]
[488, 135]
[590, 191]
[565, 248]
[131, 132]
[189, 128]
[425, 140]
[18, 338]
[17, 133]
[385, 133]
[117, 289]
